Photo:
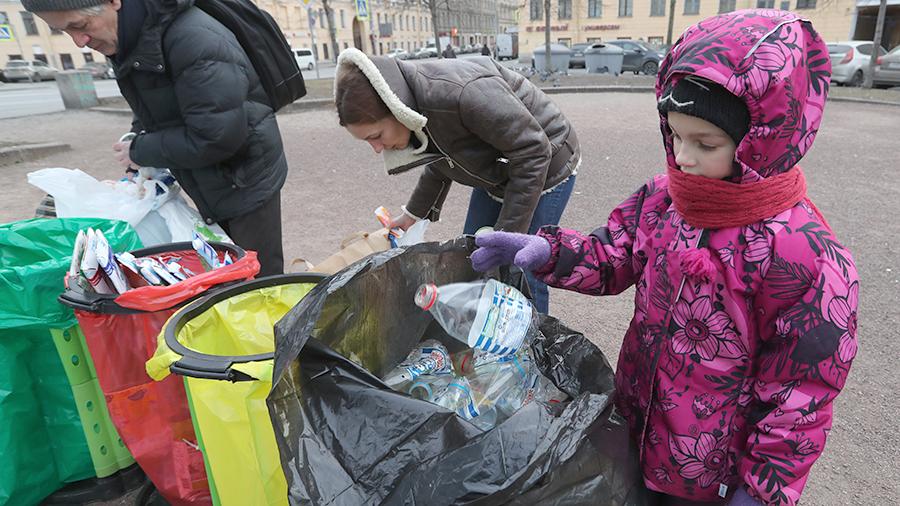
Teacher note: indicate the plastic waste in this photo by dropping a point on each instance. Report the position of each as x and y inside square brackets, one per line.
[207, 254]
[485, 314]
[431, 357]
[429, 386]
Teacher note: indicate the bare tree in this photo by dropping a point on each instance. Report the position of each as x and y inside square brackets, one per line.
[876, 45]
[332, 31]
[433, 7]
[671, 22]
[548, 56]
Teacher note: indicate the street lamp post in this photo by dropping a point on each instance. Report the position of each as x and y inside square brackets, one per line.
[312, 33]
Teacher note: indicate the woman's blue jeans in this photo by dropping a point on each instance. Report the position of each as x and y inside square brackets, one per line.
[484, 211]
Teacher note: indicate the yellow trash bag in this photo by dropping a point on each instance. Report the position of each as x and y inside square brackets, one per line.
[223, 345]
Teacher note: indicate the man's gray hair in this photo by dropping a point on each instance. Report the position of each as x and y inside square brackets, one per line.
[94, 10]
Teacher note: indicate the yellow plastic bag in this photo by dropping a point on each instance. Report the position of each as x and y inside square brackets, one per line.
[231, 418]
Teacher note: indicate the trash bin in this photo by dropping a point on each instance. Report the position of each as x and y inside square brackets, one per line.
[604, 58]
[223, 345]
[347, 438]
[153, 418]
[56, 427]
[559, 58]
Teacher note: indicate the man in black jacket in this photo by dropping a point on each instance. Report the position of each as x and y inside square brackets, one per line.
[199, 109]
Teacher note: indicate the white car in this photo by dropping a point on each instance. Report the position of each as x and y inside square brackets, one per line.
[850, 61]
[305, 58]
[33, 71]
[398, 53]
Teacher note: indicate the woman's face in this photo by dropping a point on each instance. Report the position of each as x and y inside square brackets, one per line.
[386, 133]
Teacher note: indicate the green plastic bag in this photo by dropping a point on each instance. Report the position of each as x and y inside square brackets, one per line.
[42, 436]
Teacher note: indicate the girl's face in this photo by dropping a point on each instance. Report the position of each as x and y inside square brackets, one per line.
[701, 148]
[386, 133]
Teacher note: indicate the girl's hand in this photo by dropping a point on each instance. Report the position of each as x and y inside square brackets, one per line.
[503, 248]
[403, 222]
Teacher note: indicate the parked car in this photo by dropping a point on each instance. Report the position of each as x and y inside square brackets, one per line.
[850, 61]
[98, 70]
[639, 57]
[887, 71]
[576, 60]
[427, 52]
[398, 53]
[28, 70]
[305, 58]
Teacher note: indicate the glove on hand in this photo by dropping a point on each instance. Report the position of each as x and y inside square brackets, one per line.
[742, 498]
[503, 248]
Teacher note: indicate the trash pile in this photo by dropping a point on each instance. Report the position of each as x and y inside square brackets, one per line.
[493, 378]
[95, 268]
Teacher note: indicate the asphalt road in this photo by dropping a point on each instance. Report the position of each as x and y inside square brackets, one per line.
[335, 183]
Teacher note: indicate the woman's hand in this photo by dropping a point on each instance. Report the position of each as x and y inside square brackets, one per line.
[403, 222]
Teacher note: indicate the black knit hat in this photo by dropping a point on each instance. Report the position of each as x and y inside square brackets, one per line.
[59, 5]
[708, 101]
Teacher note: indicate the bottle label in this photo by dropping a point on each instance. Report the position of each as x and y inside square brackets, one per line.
[502, 319]
[468, 411]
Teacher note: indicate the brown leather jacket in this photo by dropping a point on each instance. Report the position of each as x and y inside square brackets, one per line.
[488, 127]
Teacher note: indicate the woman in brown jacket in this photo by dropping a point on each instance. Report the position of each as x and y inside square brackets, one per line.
[471, 121]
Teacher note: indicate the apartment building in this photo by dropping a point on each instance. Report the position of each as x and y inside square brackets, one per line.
[24, 36]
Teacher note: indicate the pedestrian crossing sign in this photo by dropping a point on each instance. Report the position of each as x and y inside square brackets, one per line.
[6, 33]
[362, 10]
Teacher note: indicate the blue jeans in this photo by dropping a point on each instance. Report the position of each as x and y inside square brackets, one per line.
[484, 211]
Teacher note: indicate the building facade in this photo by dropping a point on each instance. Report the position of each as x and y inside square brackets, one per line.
[24, 36]
[574, 21]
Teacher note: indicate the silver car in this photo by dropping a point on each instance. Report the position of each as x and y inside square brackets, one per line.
[850, 61]
[887, 72]
[28, 70]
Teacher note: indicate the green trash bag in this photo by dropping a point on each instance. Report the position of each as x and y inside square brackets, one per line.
[47, 439]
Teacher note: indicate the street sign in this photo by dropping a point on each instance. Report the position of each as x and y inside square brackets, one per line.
[6, 33]
[362, 10]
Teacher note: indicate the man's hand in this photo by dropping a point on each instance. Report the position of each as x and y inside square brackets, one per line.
[403, 222]
[121, 151]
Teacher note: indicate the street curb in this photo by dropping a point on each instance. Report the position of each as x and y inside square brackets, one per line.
[324, 103]
[28, 152]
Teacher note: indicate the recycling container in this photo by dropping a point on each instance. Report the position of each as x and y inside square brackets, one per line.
[559, 58]
[604, 58]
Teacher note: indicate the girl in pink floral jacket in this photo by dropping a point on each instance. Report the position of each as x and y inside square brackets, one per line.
[744, 323]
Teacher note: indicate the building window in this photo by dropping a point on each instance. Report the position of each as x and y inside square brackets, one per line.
[806, 4]
[41, 57]
[566, 41]
[565, 9]
[322, 21]
[66, 60]
[30, 26]
[626, 8]
[4, 19]
[655, 40]
[88, 57]
[657, 7]
[325, 50]
[726, 6]
[785, 5]
[765, 4]
[692, 6]
[595, 8]
[537, 9]
[343, 20]
[414, 23]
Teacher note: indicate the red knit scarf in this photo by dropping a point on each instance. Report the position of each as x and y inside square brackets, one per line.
[713, 203]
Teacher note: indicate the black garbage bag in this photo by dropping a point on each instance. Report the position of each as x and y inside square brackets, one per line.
[346, 438]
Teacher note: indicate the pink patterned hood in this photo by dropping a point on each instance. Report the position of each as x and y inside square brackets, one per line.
[727, 374]
[776, 63]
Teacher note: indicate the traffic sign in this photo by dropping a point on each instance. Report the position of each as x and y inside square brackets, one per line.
[6, 33]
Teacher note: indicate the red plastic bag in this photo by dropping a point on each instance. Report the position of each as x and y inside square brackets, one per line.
[156, 298]
[153, 417]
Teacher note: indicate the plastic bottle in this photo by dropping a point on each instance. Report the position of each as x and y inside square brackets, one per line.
[430, 357]
[458, 397]
[485, 314]
[429, 386]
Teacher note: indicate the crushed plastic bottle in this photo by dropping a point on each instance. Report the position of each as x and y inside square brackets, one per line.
[485, 314]
[429, 386]
[430, 357]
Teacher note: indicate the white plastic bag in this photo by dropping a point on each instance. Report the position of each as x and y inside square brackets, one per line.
[154, 207]
[79, 195]
[414, 234]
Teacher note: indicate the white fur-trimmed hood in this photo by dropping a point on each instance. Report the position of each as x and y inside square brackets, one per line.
[404, 114]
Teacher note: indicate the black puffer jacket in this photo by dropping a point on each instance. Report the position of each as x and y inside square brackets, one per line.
[201, 111]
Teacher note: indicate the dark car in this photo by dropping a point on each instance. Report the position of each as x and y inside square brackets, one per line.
[98, 70]
[577, 58]
[639, 57]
